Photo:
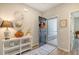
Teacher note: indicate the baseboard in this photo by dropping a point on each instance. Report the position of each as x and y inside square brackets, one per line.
[35, 44]
[65, 50]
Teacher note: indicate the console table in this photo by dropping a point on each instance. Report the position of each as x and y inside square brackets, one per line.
[15, 46]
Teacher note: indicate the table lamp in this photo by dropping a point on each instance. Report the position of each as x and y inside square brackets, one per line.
[7, 24]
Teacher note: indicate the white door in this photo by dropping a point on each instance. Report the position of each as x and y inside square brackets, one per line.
[74, 26]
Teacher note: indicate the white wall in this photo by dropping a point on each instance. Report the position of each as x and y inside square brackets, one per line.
[62, 12]
[30, 18]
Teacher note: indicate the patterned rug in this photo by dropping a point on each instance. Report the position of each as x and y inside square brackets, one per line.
[43, 50]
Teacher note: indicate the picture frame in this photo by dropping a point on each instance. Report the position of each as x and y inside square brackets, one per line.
[63, 23]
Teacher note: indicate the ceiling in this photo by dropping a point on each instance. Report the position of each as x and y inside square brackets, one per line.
[42, 6]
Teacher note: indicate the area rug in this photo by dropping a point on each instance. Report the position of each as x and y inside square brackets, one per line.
[43, 50]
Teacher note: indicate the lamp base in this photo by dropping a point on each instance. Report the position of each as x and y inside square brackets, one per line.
[7, 34]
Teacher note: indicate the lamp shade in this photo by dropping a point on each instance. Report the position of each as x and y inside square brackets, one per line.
[6, 24]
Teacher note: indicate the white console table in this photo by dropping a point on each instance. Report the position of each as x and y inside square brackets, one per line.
[15, 46]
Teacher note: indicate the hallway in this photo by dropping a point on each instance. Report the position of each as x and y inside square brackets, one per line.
[52, 31]
[54, 42]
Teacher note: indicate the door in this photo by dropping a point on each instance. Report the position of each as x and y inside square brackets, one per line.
[74, 27]
[42, 30]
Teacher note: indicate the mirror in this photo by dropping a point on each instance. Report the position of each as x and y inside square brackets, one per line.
[18, 22]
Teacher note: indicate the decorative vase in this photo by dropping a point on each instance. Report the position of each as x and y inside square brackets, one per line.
[19, 34]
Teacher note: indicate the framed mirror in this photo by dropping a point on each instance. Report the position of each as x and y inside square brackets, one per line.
[18, 22]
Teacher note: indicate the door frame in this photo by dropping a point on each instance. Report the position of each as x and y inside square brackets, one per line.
[57, 27]
[70, 20]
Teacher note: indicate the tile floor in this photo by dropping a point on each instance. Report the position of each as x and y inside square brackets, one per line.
[51, 51]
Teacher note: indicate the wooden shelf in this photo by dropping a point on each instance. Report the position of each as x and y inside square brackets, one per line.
[13, 53]
[9, 48]
[25, 44]
[25, 49]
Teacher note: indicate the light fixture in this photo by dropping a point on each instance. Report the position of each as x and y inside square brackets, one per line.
[7, 24]
[25, 9]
